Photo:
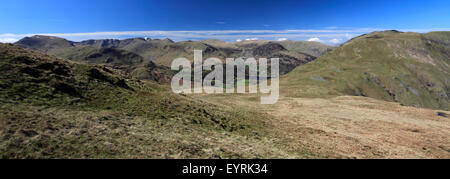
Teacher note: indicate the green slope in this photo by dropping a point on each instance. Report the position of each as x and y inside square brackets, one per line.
[409, 68]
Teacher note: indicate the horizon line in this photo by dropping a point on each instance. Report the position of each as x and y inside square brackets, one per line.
[327, 36]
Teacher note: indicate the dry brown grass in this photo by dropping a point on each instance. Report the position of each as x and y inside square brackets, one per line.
[352, 127]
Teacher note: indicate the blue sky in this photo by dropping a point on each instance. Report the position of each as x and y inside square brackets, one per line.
[319, 20]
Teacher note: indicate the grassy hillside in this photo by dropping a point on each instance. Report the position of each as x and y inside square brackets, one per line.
[409, 68]
[53, 108]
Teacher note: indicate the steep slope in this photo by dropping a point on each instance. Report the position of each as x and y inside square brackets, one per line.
[96, 55]
[409, 68]
[289, 60]
[53, 108]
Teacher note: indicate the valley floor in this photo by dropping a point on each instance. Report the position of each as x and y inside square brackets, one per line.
[351, 127]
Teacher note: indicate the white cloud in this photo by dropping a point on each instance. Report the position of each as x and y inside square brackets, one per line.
[335, 41]
[348, 36]
[238, 40]
[226, 35]
[314, 39]
[201, 33]
[8, 40]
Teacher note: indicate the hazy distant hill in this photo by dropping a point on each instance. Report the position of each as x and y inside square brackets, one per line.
[409, 68]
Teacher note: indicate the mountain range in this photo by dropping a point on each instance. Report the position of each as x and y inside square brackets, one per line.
[139, 53]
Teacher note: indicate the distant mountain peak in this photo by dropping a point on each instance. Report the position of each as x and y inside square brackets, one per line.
[168, 40]
[45, 37]
[44, 43]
